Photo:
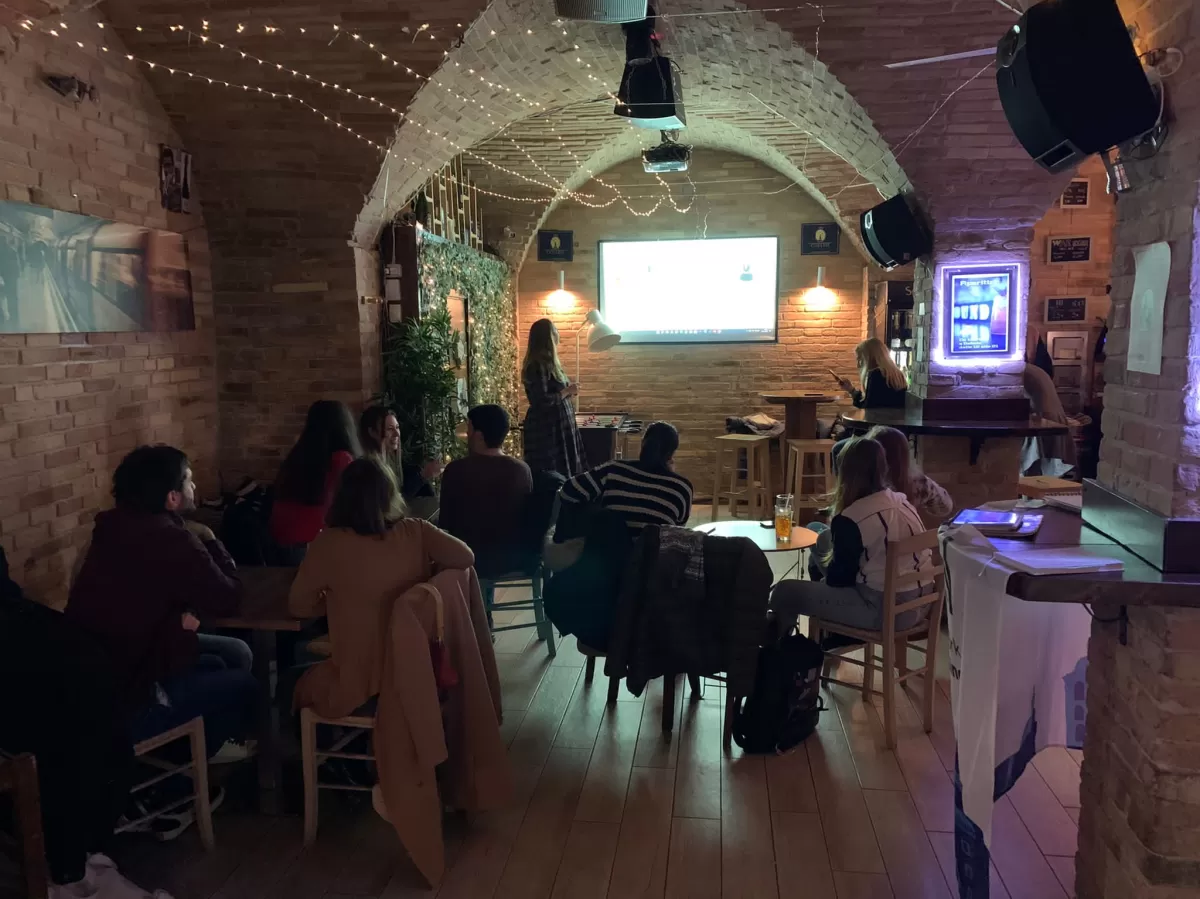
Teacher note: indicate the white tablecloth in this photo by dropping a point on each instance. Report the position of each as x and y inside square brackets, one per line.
[1018, 684]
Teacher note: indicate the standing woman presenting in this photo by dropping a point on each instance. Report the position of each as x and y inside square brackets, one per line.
[552, 441]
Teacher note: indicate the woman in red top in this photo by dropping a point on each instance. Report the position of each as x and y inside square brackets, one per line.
[309, 475]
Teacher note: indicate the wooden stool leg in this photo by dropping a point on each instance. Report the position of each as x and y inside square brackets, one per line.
[589, 669]
[668, 708]
[697, 687]
[768, 484]
[902, 655]
[545, 628]
[200, 784]
[731, 702]
[308, 761]
[889, 694]
[614, 686]
[868, 670]
[716, 499]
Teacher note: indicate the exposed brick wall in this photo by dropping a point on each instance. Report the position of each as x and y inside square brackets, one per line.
[696, 387]
[71, 405]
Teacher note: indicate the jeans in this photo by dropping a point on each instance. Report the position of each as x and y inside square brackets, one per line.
[225, 698]
[217, 652]
[858, 607]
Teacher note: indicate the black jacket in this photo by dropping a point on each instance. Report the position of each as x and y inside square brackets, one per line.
[878, 394]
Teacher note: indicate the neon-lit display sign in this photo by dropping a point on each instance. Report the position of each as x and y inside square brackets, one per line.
[980, 308]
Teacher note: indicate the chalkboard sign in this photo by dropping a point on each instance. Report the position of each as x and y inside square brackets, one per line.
[1066, 309]
[1076, 194]
[1070, 249]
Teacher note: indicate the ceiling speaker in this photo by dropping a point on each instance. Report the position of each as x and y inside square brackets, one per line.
[1071, 83]
[650, 95]
[613, 12]
[893, 234]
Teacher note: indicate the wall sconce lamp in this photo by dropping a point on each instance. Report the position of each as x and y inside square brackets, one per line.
[561, 300]
[820, 298]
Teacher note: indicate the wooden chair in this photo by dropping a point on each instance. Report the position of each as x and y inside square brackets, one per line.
[755, 490]
[196, 768]
[18, 776]
[894, 642]
[809, 465]
[535, 583]
[589, 670]
[311, 758]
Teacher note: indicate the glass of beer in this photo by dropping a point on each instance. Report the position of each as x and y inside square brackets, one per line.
[783, 517]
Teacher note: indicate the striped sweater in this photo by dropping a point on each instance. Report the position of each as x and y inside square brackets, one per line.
[641, 495]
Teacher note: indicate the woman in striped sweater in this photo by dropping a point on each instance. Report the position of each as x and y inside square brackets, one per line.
[865, 516]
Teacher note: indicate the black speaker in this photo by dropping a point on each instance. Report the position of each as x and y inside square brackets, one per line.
[650, 95]
[1071, 83]
[893, 234]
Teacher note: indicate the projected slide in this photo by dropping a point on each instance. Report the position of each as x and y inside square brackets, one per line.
[721, 290]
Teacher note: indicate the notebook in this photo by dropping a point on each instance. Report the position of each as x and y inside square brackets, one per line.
[1059, 560]
[1070, 502]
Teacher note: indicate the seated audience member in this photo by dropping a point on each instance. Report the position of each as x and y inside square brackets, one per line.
[484, 495]
[58, 702]
[644, 492]
[865, 517]
[147, 583]
[309, 475]
[369, 554]
[379, 432]
[883, 383]
[925, 494]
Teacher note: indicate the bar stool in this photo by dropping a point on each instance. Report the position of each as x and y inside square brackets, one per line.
[755, 490]
[809, 465]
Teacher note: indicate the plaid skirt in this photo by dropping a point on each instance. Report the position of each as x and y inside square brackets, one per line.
[552, 441]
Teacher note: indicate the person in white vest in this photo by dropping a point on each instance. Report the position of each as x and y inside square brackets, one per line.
[864, 517]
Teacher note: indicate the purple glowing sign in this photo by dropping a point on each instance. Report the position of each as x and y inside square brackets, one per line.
[979, 305]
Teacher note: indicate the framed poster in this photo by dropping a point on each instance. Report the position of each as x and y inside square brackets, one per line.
[979, 310]
[1060, 250]
[556, 246]
[820, 239]
[1062, 310]
[1076, 194]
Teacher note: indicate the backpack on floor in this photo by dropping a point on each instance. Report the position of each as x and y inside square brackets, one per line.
[786, 702]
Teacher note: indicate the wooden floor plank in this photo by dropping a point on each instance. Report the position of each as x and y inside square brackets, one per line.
[1076, 754]
[262, 869]
[790, 782]
[932, 789]
[488, 842]
[747, 848]
[698, 768]
[587, 861]
[1064, 870]
[533, 862]
[942, 737]
[511, 724]
[1022, 867]
[519, 641]
[1061, 774]
[912, 867]
[852, 885]
[655, 749]
[876, 766]
[943, 848]
[640, 868]
[520, 676]
[569, 655]
[844, 817]
[538, 729]
[694, 868]
[581, 722]
[1043, 815]
[801, 859]
[604, 787]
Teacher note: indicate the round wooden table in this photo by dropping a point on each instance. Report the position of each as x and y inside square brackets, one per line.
[762, 535]
[799, 411]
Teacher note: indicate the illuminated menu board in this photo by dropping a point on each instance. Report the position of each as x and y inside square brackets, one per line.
[980, 308]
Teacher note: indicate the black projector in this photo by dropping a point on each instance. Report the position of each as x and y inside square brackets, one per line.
[667, 157]
[650, 95]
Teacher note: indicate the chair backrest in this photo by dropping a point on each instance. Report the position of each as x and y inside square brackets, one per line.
[896, 580]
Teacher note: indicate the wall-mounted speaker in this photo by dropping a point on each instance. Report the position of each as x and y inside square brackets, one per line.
[650, 95]
[1071, 83]
[893, 234]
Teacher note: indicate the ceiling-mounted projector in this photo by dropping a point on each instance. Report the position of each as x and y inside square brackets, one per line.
[612, 12]
[667, 157]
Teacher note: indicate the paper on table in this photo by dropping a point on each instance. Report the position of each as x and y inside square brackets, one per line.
[1070, 502]
[1057, 561]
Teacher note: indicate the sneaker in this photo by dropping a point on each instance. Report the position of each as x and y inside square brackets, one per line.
[169, 826]
[231, 753]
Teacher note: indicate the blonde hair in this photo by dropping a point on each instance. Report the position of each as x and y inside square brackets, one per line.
[862, 470]
[872, 354]
[901, 470]
[541, 352]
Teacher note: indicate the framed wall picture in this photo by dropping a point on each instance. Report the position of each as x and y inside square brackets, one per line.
[1066, 310]
[820, 239]
[1076, 194]
[1065, 250]
[978, 305]
[1067, 346]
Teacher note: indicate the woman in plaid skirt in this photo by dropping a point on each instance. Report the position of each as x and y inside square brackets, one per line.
[552, 441]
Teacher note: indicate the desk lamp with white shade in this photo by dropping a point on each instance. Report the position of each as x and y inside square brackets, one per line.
[600, 337]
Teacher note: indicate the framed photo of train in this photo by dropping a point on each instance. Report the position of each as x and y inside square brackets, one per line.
[66, 273]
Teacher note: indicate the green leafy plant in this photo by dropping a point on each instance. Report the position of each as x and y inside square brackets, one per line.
[421, 387]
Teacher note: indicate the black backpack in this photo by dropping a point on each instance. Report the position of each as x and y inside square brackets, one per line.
[245, 526]
[786, 702]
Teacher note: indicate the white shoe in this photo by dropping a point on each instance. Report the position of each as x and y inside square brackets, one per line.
[109, 883]
[231, 752]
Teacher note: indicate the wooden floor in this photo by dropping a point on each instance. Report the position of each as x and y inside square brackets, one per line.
[607, 808]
